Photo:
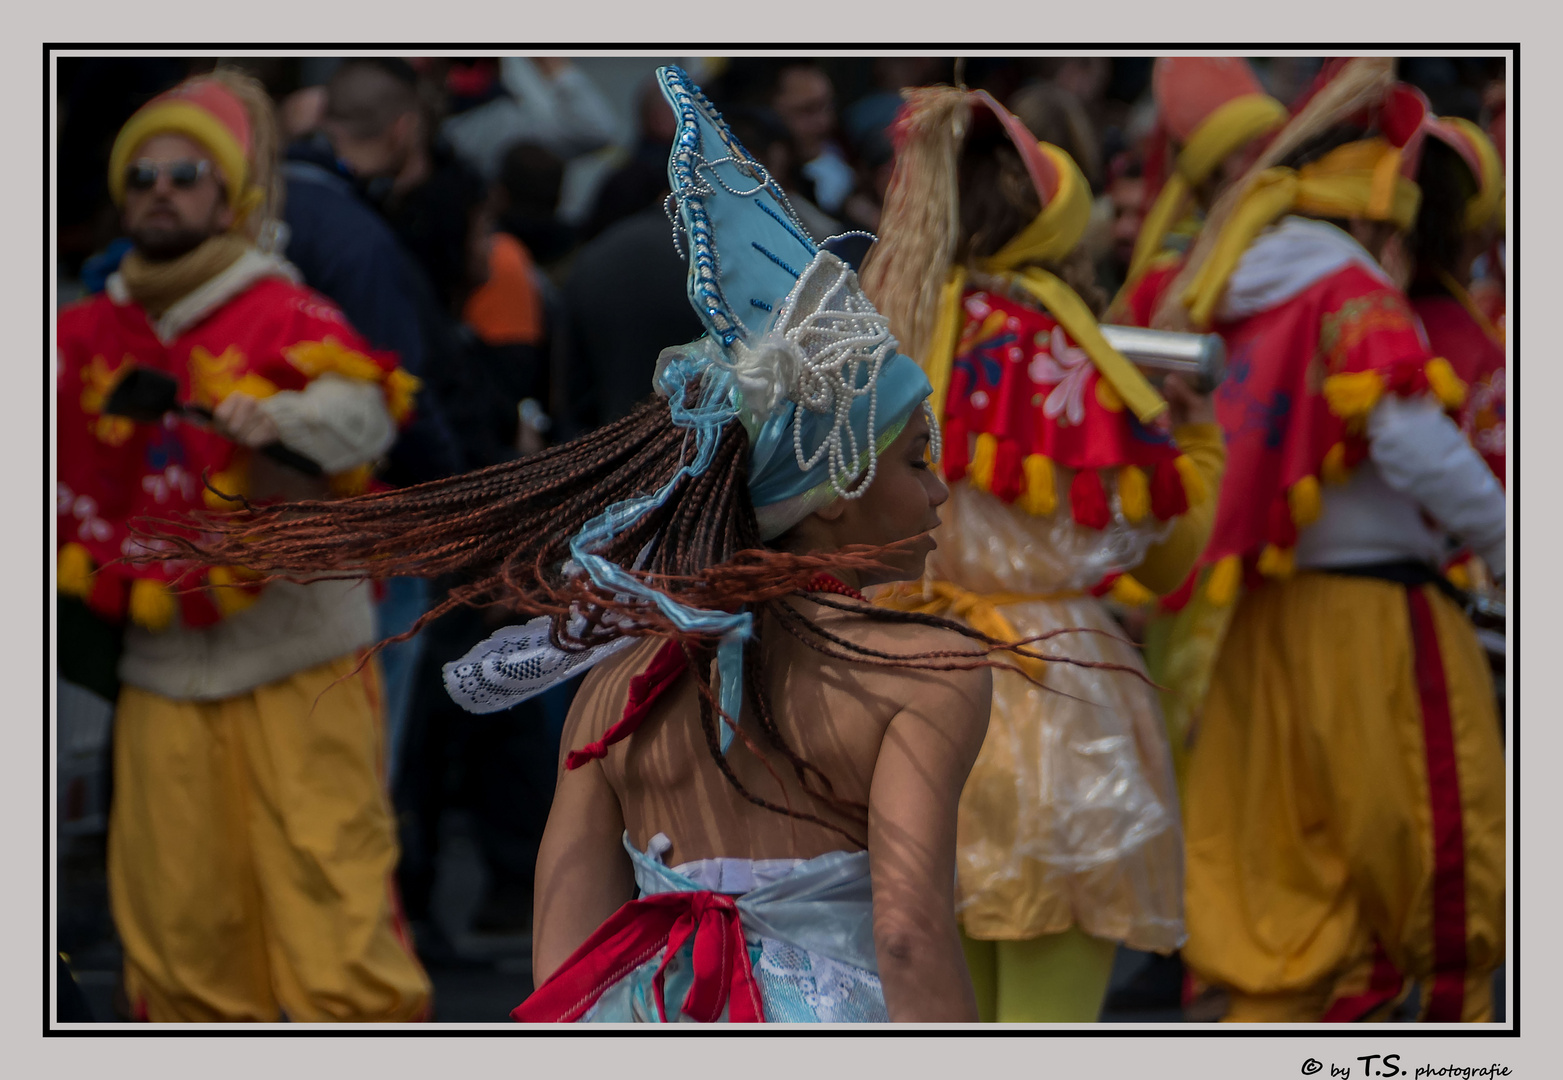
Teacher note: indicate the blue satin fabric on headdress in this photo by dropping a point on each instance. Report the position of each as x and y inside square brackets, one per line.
[773, 467]
[746, 252]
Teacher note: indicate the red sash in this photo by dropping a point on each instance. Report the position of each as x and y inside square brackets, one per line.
[723, 975]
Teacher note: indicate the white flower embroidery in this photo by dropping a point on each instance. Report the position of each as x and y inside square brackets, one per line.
[85, 510]
[172, 479]
[1070, 368]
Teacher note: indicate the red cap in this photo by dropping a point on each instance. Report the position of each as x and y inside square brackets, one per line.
[1188, 89]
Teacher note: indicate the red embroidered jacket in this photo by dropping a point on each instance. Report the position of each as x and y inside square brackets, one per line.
[273, 336]
[1302, 378]
[1034, 400]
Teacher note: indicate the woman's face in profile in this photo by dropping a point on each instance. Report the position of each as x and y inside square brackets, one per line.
[902, 502]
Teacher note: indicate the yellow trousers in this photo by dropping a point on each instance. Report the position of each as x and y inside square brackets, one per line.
[1052, 979]
[251, 850]
[1346, 795]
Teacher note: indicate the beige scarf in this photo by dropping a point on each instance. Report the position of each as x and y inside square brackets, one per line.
[158, 286]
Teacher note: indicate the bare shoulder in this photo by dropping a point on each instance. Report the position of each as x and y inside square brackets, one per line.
[606, 687]
[955, 681]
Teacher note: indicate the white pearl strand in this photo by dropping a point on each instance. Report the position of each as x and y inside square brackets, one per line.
[853, 336]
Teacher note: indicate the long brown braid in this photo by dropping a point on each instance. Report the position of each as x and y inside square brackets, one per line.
[505, 531]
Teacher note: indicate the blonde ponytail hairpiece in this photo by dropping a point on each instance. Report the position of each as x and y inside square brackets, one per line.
[1360, 83]
[905, 272]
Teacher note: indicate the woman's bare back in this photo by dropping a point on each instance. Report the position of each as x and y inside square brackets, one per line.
[832, 713]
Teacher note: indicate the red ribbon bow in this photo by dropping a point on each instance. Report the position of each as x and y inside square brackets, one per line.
[723, 974]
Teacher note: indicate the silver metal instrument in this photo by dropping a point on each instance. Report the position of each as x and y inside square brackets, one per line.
[1202, 357]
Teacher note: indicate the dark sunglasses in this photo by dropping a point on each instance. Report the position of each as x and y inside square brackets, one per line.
[142, 175]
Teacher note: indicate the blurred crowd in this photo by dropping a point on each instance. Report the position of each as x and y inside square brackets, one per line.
[499, 225]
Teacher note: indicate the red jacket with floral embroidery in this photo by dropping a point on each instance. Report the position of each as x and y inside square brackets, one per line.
[1302, 378]
[1034, 400]
[275, 335]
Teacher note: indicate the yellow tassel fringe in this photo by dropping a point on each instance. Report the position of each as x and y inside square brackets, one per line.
[1225, 577]
[980, 471]
[1277, 562]
[234, 481]
[1131, 593]
[75, 571]
[1041, 496]
[352, 482]
[1134, 495]
[1459, 576]
[151, 605]
[1334, 470]
[400, 390]
[1449, 387]
[230, 601]
[1303, 498]
[1352, 395]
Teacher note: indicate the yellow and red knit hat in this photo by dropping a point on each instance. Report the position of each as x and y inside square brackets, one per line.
[1191, 93]
[1210, 107]
[205, 110]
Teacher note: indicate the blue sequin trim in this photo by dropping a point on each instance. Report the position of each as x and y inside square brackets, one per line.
[761, 304]
[784, 223]
[771, 255]
[719, 315]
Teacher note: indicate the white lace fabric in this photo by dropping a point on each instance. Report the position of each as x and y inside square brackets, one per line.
[516, 663]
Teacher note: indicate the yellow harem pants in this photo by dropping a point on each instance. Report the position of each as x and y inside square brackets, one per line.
[251, 850]
[1346, 799]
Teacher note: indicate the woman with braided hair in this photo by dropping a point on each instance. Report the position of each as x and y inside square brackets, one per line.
[709, 548]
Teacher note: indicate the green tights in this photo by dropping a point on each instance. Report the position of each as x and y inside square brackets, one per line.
[1056, 978]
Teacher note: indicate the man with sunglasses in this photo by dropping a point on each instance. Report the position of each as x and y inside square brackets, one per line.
[251, 843]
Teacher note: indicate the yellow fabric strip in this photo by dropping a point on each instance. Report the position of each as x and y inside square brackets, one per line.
[1065, 305]
[940, 356]
[1227, 130]
[1272, 194]
[1164, 213]
[1224, 132]
[1358, 180]
[1054, 232]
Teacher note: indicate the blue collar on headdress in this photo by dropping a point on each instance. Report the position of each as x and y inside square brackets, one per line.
[793, 349]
